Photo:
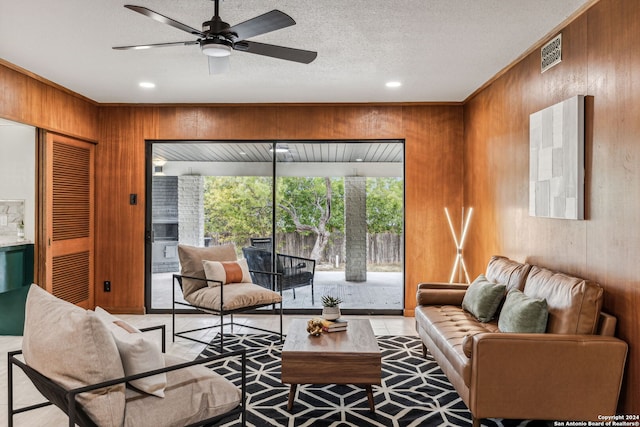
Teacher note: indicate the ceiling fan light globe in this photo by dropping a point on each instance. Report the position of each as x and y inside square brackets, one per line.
[217, 50]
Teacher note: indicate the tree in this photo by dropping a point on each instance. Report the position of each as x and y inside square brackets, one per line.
[310, 205]
[237, 208]
[384, 205]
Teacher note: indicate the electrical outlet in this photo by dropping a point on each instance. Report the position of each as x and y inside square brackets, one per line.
[107, 286]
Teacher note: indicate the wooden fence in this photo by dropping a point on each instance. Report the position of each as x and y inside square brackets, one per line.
[382, 248]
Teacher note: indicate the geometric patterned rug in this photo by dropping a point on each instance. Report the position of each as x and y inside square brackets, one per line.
[414, 391]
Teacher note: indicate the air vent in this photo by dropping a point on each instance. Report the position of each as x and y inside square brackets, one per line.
[551, 53]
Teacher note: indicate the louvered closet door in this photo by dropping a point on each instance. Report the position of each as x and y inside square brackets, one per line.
[69, 219]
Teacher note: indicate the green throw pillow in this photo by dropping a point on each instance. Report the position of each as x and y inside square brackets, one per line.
[12, 311]
[483, 298]
[523, 314]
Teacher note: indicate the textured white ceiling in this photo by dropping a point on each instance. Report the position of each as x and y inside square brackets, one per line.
[441, 50]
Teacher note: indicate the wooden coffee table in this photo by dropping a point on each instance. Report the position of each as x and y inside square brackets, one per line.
[348, 357]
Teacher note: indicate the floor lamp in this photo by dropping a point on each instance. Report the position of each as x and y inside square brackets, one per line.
[459, 262]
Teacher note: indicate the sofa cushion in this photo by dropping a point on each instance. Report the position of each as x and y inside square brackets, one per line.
[72, 347]
[138, 353]
[483, 298]
[12, 304]
[523, 314]
[226, 272]
[191, 258]
[507, 272]
[192, 394]
[574, 304]
[447, 326]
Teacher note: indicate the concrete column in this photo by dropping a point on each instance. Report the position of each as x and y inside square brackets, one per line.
[355, 228]
[191, 210]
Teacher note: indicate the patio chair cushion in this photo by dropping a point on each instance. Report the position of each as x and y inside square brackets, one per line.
[236, 295]
[72, 347]
[138, 353]
[226, 272]
[191, 258]
[192, 394]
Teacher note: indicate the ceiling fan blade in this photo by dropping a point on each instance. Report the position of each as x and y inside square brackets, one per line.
[280, 52]
[218, 64]
[149, 46]
[262, 24]
[165, 20]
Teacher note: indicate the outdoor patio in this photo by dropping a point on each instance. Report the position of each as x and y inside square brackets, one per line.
[381, 291]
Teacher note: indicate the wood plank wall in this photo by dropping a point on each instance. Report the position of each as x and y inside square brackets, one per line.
[433, 149]
[27, 100]
[600, 59]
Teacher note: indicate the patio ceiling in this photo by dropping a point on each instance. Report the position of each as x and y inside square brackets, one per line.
[296, 151]
[298, 158]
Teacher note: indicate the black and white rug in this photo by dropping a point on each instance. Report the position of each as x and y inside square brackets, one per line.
[414, 391]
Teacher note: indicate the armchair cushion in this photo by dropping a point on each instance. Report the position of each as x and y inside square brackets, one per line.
[74, 348]
[226, 272]
[483, 298]
[236, 295]
[138, 353]
[191, 395]
[523, 314]
[191, 258]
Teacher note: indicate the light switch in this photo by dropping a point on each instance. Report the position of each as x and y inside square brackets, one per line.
[4, 220]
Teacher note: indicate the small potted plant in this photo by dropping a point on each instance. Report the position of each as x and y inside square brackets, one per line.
[331, 307]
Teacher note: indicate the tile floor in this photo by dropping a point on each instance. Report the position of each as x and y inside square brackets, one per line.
[25, 393]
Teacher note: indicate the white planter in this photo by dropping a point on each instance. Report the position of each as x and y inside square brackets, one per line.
[331, 313]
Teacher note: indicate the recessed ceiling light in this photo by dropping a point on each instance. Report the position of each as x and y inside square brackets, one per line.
[393, 84]
[242, 153]
[280, 148]
[359, 160]
[147, 85]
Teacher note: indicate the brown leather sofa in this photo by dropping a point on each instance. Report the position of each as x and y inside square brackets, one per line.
[573, 371]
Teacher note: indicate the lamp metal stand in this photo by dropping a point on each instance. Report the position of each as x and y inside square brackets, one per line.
[459, 264]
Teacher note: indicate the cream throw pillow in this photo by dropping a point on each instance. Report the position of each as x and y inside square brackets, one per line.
[226, 272]
[138, 353]
[191, 258]
[72, 347]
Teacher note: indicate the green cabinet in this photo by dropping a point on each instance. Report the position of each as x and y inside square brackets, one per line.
[16, 266]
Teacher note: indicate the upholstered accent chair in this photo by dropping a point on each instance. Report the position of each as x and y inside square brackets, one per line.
[101, 371]
[213, 280]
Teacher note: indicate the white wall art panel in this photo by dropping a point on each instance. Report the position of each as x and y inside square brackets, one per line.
[556, 160]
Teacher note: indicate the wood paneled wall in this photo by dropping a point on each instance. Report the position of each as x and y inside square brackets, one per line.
[489, 140]
[31, 101]
[600, 59]
[433, 147]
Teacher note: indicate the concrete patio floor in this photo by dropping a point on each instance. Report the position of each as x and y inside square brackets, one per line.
[381, 291]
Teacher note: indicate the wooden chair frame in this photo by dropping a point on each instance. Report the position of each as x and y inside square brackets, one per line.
[66, 399]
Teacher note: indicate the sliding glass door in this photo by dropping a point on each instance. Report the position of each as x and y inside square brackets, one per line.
[336, 229]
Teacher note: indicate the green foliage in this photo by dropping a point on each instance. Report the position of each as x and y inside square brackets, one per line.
[331, 301]
[237, 208]
[384, 205]
[306, 199]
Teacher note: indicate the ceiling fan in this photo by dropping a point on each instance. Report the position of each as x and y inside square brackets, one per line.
[218, 38]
